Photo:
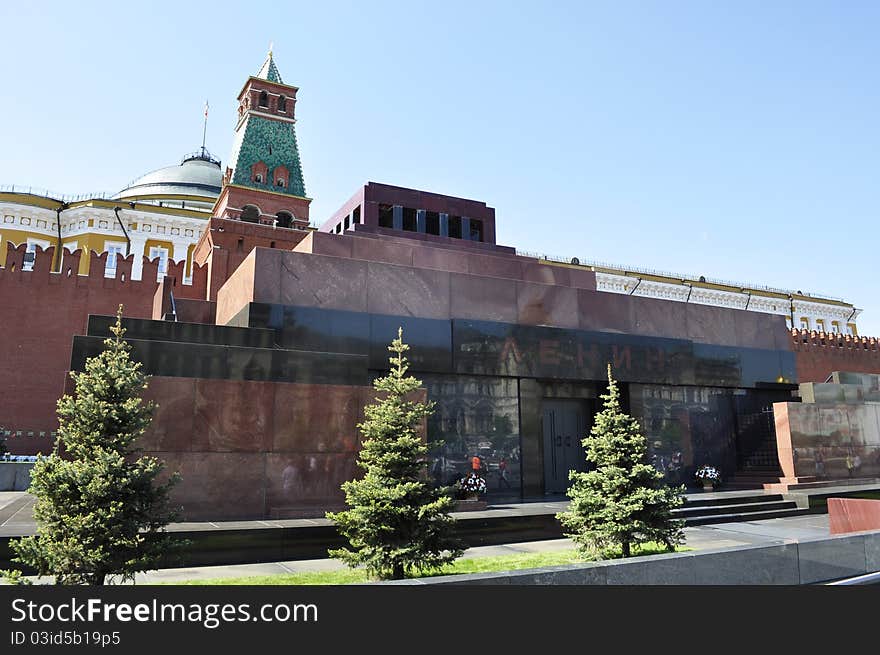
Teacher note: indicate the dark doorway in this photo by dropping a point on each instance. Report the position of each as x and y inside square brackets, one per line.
[564, 426]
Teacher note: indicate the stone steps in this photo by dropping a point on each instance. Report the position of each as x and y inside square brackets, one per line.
[748, 516]
[742, 508]
[727, 509]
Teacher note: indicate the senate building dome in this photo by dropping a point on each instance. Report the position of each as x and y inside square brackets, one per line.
[194, 183]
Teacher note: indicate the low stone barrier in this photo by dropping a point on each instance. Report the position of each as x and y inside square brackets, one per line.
[801, 562]
[15, 476]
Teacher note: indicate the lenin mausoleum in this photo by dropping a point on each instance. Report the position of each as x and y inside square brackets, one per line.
[262, 335]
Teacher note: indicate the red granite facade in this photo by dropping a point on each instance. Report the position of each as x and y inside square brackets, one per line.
[255, 449]
[846, 515]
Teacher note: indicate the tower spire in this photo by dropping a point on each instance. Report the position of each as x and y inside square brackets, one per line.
[269, 71]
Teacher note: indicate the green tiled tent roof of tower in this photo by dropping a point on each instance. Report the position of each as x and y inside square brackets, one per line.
[272, 142]
[269, 71]
[260, 135]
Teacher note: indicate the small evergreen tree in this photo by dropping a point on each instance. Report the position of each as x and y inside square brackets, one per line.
[99, 508]
[398, 523]
[623, 500]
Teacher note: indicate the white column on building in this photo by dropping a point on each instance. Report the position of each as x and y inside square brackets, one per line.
[179, 251]
[138, 242]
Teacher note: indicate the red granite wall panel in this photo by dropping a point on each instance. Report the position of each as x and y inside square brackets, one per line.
[546, 304]
[483, 298]
[407, 291]
[847, 515]
[250, 450]
[233, 415]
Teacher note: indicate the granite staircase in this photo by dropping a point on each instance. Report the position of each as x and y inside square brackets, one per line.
[727, 508]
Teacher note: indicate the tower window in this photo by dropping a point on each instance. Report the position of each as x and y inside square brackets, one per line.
[282, 103]
[250, 214]
[279, 182]
[258, 178]
[284, 219]
[264, 99]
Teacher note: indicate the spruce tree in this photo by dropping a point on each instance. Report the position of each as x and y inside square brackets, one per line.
[100, 510]
[398, 523]
[623, 501]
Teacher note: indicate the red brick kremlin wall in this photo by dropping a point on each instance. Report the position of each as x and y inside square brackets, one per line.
[42, 310]
[818, 354]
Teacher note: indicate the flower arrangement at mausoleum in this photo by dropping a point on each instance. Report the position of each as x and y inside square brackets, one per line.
[708, 475]
[472, 484]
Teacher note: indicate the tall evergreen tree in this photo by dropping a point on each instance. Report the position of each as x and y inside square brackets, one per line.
[99, 510]
[398, 523]
[623, 500]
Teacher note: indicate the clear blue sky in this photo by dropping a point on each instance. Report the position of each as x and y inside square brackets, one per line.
[733, 139]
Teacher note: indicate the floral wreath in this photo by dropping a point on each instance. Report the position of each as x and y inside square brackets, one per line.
[708, 473]
[473, 483]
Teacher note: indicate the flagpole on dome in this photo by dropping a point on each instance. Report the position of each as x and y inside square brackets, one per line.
[205, 128]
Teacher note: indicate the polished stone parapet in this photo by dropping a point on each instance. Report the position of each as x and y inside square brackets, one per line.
[221, 335]
[516, 350]
[488, 348]
[845, 387]
[833, 434]
[819, 442]
[201, 360]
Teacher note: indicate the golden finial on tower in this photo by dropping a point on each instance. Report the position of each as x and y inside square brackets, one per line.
[271, 43]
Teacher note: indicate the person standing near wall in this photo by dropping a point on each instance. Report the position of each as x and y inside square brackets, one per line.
[502, 474]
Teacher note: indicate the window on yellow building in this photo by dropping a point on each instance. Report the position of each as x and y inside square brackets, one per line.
[162, 254]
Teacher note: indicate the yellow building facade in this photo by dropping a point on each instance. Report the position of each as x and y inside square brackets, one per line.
[160, 215]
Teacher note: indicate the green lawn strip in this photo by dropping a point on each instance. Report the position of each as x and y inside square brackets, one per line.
[470, 565]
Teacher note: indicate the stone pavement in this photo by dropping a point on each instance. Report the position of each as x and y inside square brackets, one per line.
[15, 514]
[704, 537]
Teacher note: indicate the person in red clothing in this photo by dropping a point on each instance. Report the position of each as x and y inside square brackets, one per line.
[502, 474]
[476, 465]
